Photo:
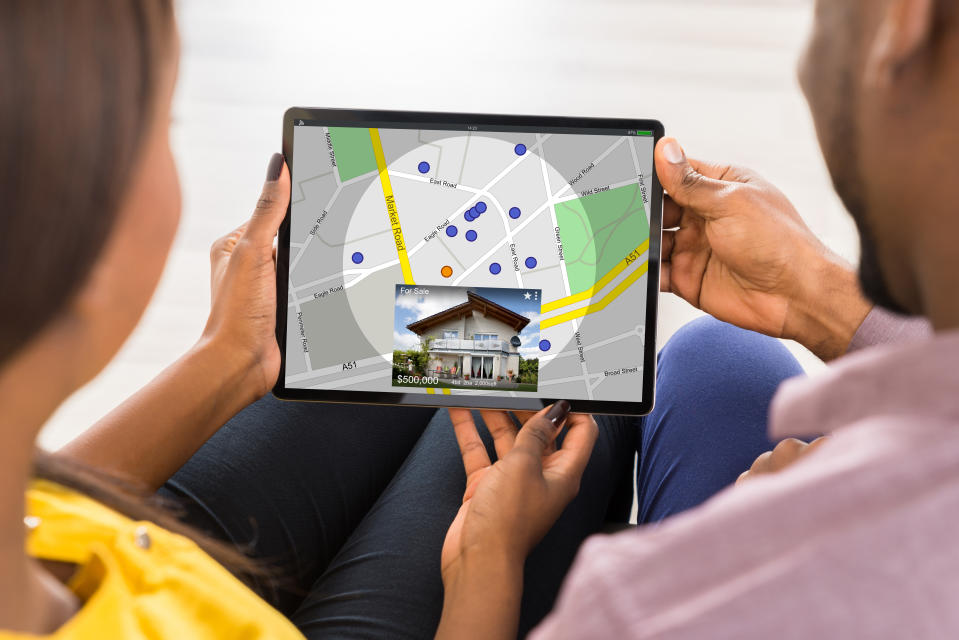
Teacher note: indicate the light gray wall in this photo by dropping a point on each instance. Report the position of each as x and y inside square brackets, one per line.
[719, 73]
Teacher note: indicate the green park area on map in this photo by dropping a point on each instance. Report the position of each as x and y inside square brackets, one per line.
[598, 231]
[354, 151]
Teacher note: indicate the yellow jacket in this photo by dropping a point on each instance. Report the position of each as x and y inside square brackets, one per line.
[138, 580]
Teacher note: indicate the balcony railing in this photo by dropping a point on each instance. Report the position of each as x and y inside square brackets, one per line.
[469, 345]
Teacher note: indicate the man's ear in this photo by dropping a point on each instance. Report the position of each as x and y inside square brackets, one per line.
[906, 27]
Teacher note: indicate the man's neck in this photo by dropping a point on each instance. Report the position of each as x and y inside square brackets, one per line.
[944, 313]
[938, 278]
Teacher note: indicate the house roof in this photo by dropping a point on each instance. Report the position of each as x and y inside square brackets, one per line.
[473, 303]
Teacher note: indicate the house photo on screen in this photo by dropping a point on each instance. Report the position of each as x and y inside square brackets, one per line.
[478, 338]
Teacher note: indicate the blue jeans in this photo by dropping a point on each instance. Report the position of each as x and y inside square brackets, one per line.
[352, 503]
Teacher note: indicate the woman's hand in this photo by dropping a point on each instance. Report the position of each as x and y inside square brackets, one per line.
[151, 435]
[735, 247]
[242, 322]
[507, 509]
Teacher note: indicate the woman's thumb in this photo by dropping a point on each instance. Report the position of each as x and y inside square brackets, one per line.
[274, 199]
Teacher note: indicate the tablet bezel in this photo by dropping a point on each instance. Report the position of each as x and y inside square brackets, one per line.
[367, 118]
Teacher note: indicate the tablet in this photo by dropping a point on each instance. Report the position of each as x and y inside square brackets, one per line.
[469, 260]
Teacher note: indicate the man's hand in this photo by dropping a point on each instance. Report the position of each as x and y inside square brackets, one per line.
[735, 247]
[783, 455]
[507, 508]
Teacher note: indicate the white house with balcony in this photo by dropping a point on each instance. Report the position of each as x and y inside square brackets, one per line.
[473, 340]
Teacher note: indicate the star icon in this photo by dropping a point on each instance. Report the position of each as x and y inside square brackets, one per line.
[527, 296]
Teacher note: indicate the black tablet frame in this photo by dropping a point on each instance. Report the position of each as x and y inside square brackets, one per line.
[471, 122]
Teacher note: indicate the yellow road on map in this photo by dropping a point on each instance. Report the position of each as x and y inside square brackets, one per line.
[605, 280]
[597, 306]
[391, 207]
[394, 217]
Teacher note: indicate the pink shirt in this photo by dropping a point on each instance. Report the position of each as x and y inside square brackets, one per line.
[858, 540]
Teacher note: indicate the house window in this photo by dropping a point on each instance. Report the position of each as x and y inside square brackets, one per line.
[451, 335]
[486, 336]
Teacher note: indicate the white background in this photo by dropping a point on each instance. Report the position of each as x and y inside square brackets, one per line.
[719, 73]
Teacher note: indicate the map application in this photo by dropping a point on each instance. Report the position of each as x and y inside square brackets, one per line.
[499, 261]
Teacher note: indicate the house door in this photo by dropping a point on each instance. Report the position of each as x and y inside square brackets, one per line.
[483, 367]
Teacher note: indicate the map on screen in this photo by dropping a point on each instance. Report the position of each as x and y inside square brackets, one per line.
[468, 262]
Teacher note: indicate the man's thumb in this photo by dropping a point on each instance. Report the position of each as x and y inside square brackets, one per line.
[684, 184]
[271, 207]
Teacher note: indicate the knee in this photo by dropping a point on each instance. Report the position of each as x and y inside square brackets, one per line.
[707, 344]
[699, 337]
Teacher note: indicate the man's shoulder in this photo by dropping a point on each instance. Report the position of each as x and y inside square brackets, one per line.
[870, 470]
[845, 532]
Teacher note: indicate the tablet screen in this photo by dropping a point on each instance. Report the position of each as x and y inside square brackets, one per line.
[495, 261]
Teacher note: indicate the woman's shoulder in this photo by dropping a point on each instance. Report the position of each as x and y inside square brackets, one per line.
[135, 575]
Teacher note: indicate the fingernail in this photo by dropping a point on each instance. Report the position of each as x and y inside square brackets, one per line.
[674, 153]
[558, 412]
[275, 168]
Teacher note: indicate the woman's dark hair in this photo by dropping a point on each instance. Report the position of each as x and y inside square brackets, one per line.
[79, 92]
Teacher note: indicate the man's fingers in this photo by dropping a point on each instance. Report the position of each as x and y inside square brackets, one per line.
[669, 242]
[271, 207]
[471, 445]
[672, 213]
[685, 185]
[501, 427]
[539, 432]
[785, 453]
[761, 463]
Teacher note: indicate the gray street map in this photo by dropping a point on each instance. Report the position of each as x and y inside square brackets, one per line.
[566, 214]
